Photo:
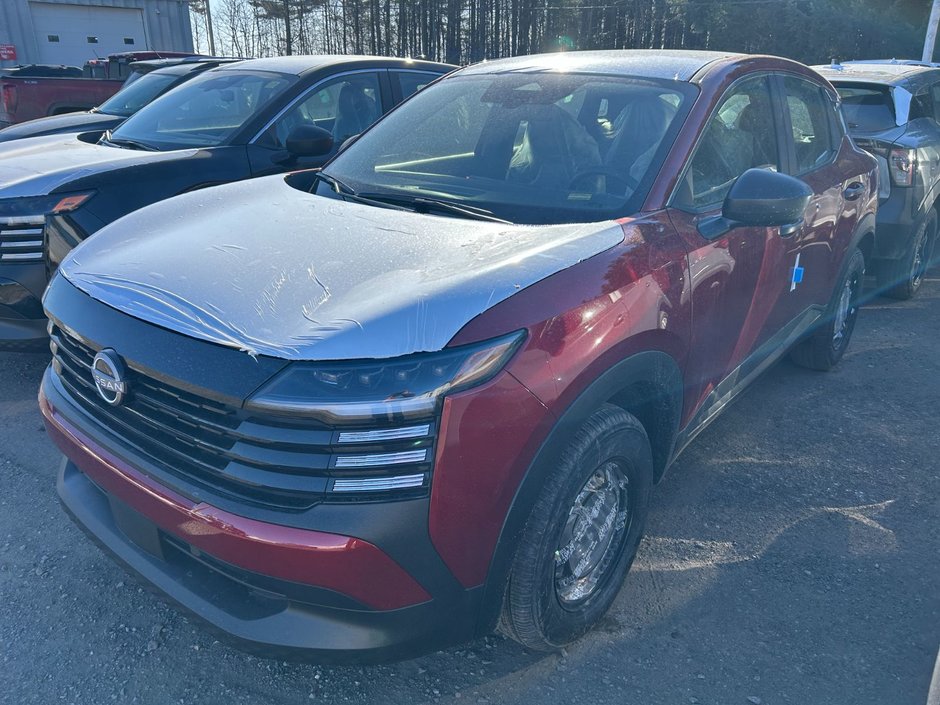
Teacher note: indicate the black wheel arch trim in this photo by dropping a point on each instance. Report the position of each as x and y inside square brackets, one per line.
[643, 369]
[866, 226]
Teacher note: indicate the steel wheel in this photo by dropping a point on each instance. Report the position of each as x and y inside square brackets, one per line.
[593, 535]
[845, 312]
[582, 533]
[921, 254]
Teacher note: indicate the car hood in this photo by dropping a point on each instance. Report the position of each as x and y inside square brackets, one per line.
[262, 267]
[59, 124]
[39, 165]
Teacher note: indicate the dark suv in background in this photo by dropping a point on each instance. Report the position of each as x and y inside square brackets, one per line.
[151, 80]
[892, 109]
[235, 121]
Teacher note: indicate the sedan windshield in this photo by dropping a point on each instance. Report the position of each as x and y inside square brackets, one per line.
[132, 97]
[527, 148]
[203, 112]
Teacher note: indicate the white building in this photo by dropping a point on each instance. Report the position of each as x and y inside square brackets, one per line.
[73, 31]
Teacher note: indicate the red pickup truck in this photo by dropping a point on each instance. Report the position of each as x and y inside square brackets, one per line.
[35, 91]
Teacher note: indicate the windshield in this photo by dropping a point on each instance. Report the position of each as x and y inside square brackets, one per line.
[132, 97]
[867, 108]
[529, 148]
[203, 112]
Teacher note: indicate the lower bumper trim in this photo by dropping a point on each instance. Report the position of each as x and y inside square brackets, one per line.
[255, 620]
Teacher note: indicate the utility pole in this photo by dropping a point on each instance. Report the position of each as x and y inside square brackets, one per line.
[209, 27]
[931, 39]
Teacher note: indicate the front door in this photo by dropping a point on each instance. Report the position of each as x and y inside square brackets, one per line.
[813, 152]
[738, 280]
[344, 105]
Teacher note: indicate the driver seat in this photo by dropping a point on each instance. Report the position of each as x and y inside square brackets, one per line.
[639, 129]
[554, 149]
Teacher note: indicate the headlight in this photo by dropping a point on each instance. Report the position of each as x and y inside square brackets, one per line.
[42, 205]
[385, 391]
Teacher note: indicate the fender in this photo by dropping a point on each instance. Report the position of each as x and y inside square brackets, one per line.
[649, 368]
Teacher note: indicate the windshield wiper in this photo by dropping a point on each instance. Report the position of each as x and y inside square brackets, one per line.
[348, 193]
[124, 142]
[422, 204]
[337, 185]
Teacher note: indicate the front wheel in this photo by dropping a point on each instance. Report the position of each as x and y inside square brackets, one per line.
[582, 534]
[826, 346]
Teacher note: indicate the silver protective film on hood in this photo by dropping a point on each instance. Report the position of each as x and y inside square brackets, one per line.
[262, 267]
[35, 166]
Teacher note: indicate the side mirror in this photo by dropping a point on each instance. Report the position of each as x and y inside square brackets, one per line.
[761, 198]
[309, 141]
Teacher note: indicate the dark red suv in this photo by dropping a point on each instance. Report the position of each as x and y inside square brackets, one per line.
[366, 412]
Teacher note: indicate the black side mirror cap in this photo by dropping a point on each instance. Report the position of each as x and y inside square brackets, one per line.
[309, 141]
[761, 198]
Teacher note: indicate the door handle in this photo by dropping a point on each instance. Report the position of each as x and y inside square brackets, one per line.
[853, 191]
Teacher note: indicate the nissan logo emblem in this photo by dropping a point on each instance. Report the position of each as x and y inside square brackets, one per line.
[110, 376]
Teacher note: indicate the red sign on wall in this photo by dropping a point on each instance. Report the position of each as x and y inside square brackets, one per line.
[7, 52]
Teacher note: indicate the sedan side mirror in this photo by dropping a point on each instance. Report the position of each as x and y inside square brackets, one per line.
[761, 198]
[309, 141]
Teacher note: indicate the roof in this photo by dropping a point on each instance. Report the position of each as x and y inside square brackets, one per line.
[300, 65]
[649, 63]
[905, 62]
[181, 66]
[888, 74]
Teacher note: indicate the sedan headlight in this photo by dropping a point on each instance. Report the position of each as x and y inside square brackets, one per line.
[393, 391]
[39, 206]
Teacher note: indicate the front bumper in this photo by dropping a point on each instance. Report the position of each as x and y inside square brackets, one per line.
[272, 589]
[22, 323]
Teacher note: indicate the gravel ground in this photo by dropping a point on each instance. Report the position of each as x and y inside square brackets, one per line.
[791, 558]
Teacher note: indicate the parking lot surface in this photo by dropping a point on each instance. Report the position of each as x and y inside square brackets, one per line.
[791, 557]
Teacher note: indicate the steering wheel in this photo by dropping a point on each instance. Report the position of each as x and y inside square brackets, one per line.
[613, 175]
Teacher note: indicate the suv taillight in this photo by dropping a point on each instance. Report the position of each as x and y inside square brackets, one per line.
[902, 164]
[7, 98]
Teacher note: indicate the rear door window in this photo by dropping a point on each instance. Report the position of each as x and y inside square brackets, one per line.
[410, 82]
[809, 119]
[935, 102]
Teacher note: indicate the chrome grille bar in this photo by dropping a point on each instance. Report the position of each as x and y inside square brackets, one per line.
[382, 459]
[21, 238]
[384, 434]
[374, 484]
[21, 256]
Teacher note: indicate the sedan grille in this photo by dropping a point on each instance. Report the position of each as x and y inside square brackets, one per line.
[21, 238]
[263, 460]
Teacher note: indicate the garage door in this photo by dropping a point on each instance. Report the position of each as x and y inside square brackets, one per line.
[72, 34]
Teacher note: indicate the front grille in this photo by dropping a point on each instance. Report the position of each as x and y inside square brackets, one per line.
[21, 238]
[229, 451]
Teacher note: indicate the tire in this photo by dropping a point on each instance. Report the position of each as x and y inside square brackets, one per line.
[902, 279]
[826, 346]
[606, 472]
